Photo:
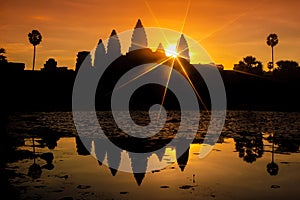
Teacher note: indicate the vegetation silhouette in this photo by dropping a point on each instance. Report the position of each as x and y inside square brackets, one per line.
[48, 138]
[249, 145]
[35, 39]
[287, 71]
[249, 64]
[270, 66]
[48, 90]
[2, 56]
[287, 143]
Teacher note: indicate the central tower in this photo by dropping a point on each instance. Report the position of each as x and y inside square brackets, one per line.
[139, 38]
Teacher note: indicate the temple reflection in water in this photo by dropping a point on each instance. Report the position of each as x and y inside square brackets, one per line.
[250, 147]
[49, 159]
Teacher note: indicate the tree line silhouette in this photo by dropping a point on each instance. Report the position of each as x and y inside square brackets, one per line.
[248, 86]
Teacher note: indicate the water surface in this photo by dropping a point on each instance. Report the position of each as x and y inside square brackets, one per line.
[256, 157]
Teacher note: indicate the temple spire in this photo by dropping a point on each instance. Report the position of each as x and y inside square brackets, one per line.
[113, 33]
[100, 55]
[139, 38]
[113, 47]
[160, 48]
[139, 24]
[183, 48]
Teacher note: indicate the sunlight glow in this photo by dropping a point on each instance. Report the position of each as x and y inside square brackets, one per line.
[171, 50]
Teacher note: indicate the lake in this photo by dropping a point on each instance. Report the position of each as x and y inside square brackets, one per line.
[255, 157]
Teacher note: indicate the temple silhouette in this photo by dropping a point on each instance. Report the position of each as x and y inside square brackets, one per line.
[139, 41]
[51, 87]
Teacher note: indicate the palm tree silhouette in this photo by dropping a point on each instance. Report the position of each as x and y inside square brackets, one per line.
[272, 40]
[35, 38]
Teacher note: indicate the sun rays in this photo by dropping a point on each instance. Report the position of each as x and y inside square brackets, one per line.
[174, 59]
[172, 52]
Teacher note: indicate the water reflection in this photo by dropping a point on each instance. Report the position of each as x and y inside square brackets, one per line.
[100, 151]
[48, 138]
[272, 167]
[139, 164]
[83, 145]
[275, 152]
[182, 160]
[35, 170]
[113, 159]
[249, 145]
[287, 143]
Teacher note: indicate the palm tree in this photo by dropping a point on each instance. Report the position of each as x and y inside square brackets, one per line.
[272, 40]
[35, 38]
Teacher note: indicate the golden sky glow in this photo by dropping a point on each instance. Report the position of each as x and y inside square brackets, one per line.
[228, 29]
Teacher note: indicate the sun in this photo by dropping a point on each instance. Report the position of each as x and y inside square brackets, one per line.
[171, 50]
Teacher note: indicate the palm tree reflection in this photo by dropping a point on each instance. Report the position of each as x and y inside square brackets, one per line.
[35, 170]
[272, 167]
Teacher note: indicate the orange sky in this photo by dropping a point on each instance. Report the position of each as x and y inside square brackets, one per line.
[228, 29]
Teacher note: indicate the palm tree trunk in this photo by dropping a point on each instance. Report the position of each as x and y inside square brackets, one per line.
[272, 146]
[33, 62]
[33, 150]
[273, 58]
